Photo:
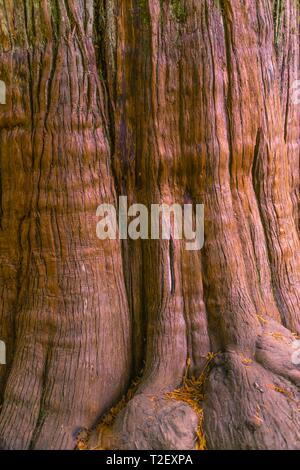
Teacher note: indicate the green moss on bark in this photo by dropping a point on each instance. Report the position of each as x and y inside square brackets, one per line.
[278, 13]
[144, 11]
[179, 10]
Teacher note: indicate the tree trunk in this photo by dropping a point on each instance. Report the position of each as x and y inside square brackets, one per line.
[181, 101]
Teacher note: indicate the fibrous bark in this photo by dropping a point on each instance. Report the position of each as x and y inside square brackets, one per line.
[178, 101]
[64, 313]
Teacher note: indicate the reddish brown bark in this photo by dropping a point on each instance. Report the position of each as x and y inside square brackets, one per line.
[64, 317]
[176, 101]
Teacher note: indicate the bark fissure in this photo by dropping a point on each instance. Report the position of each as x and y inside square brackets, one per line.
[164, 102]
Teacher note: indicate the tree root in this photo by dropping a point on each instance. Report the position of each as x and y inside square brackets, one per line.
[237, 402]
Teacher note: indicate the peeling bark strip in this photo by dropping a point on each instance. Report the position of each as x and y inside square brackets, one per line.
[180, 101]
[2, 92]
[2, 353]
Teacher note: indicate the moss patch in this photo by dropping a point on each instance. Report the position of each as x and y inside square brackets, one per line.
[178, 10]
[278, 14]
[144, 11]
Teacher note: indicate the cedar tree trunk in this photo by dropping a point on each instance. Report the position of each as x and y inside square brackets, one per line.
[174, 101]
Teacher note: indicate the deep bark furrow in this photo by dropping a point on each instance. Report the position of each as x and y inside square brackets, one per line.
[61, 317]
[164, 102]
[206, 145]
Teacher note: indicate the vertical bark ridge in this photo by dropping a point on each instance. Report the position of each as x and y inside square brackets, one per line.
[150, 170]
[71, 310]
[182, 102]
[199, 117]
[288, 55]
